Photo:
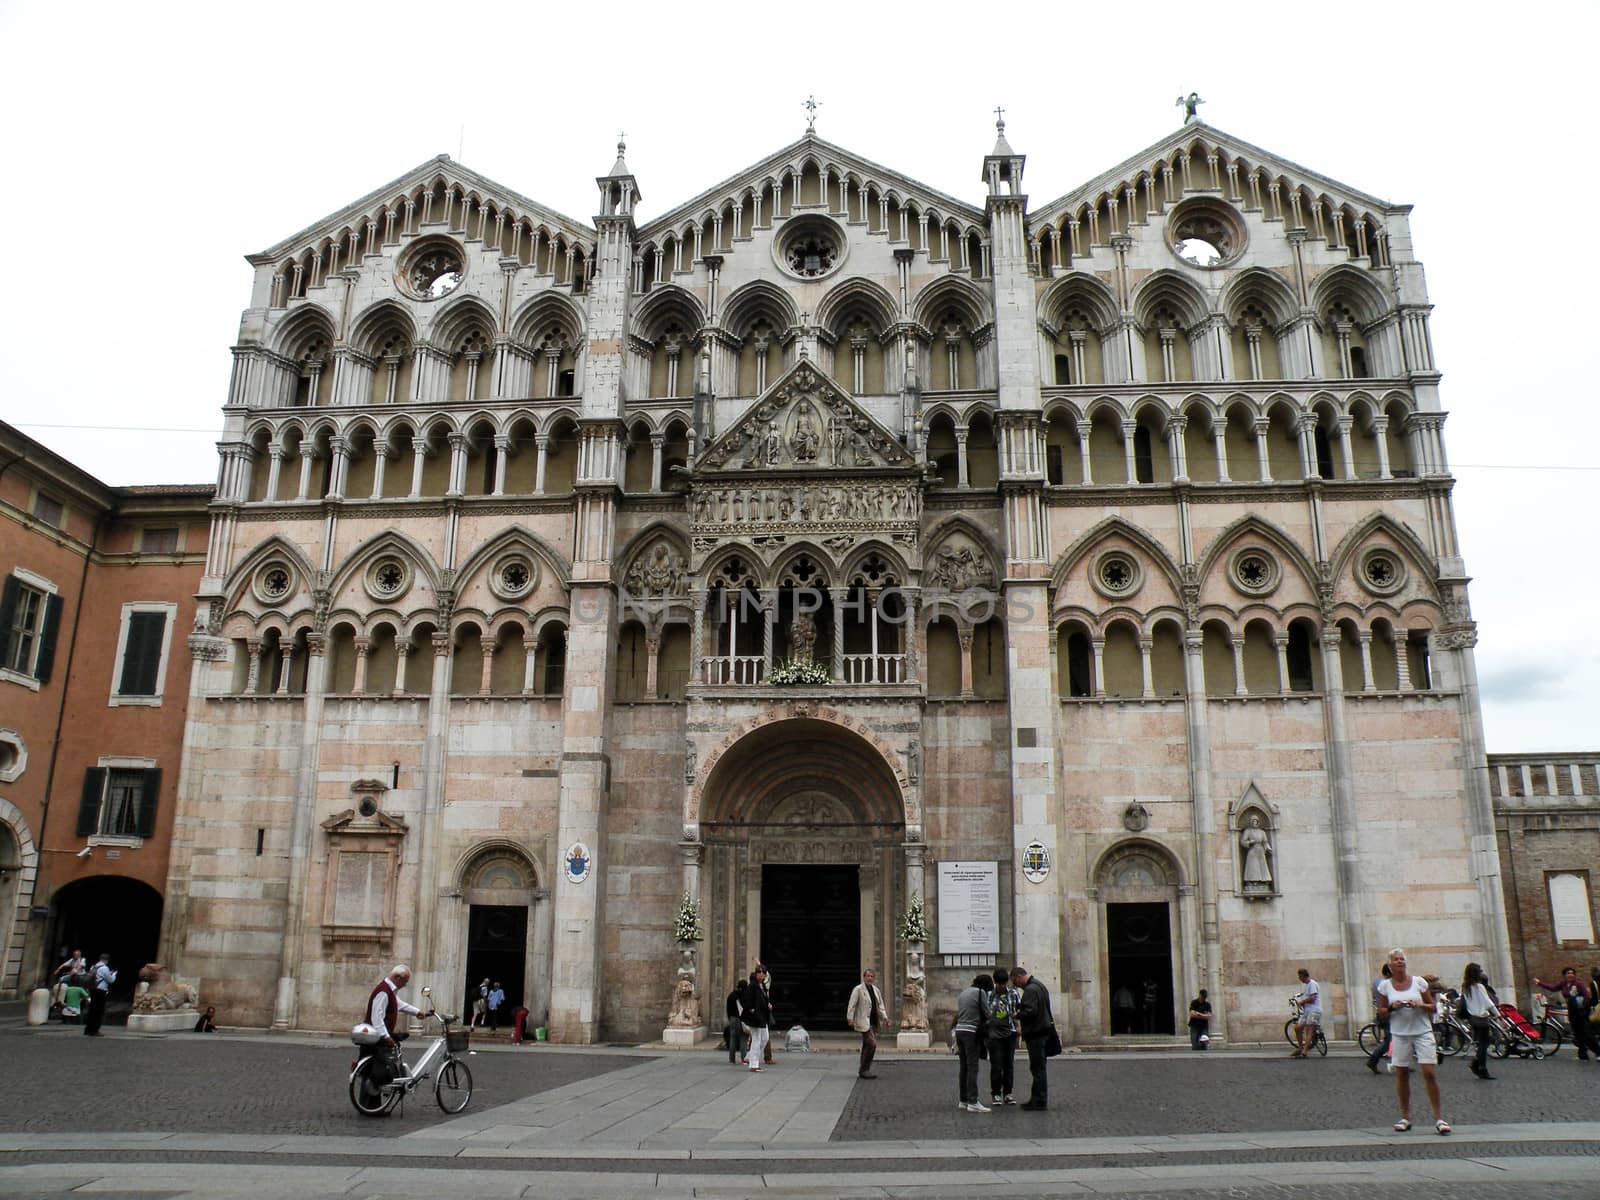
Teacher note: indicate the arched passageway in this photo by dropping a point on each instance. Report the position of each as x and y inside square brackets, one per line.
[108, 914]
[804, 829]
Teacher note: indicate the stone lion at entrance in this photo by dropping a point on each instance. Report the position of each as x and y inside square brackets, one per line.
[162, 992]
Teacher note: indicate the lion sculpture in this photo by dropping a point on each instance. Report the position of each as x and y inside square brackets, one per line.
[163, 993]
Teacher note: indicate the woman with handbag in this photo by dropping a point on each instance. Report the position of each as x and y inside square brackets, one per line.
[1478, 1003]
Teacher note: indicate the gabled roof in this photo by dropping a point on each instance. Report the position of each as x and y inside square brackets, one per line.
[804, 422]
[807, 146]
[420, 175]
[1181, 138]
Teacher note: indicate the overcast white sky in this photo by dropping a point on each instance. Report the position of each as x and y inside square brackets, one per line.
[152, 146]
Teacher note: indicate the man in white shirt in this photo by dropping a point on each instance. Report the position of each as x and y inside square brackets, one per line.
[99, 992]
[1305, 1029]
[866, 1013]
[384, 1005]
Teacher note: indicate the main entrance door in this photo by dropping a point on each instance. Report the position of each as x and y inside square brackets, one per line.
[1139, 953]
[811, 941]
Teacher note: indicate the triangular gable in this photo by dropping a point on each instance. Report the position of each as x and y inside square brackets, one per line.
[804, 422]
[1181, 138]
[793, 156]
[453, 173]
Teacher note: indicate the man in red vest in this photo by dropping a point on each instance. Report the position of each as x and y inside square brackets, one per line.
[384, 1005]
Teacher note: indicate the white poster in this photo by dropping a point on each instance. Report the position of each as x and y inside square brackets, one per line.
[969, 908]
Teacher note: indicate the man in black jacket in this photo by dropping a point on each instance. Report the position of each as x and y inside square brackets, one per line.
[733, 1034]
[1036, 1020]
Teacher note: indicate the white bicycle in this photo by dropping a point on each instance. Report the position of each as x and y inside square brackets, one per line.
[380, 1079]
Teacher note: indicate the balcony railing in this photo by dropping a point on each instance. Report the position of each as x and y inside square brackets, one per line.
[874, 668]
[751, 670]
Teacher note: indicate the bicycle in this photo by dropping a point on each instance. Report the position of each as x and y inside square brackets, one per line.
[1370, 1037]
[1554, 1030]
[452, 1086]
[1319, 1041]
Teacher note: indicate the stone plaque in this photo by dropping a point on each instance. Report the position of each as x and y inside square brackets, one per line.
[358, 889]
[969, 908]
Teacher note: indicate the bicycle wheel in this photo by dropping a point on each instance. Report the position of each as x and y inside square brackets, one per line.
[453, 1087]
[1288, 1033]
[1499, 1044]
[1368, 1038]
[1447, 1039]
[1321, 1041]
[1550, 1037]
[370, 1099]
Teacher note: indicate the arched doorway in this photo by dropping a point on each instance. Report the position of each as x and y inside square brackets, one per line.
[1138, 886]
[501, 930]
[804, 829]
[108, 914]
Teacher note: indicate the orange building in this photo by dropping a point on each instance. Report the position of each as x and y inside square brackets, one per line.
[95, 613]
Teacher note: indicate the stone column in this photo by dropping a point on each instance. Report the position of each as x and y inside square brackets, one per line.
[1240, 685]
[1145, 646]
[1203, 818]
[1097, 646]
[530, 665]
[430, 913]
[486, 674]
[402, 655]
[964, 637]
[285, 1008]
[914, 1033]
[652, 651]
[1280, 643]
[1341, 782]
[686, 1017]
[838, 596]
[363, 647]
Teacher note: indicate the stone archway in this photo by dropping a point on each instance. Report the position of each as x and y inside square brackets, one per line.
[19, 864]
[803, 816]
[1144, 928]
[498, 924]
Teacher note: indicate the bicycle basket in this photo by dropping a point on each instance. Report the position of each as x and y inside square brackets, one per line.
[455, 1040]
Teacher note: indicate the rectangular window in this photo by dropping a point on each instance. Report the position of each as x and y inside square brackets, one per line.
[119, 801]
[163, 540]
[48, 509]
[30, 616]
[142, 647]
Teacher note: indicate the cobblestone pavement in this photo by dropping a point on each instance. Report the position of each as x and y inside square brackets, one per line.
[227, 1084]
[1199, 1093]
[268, 1115]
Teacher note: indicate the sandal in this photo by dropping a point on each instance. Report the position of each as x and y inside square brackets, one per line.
[1442, 1125]
[1403, 1124]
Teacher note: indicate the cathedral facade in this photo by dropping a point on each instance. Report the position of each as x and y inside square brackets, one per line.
[822, 550]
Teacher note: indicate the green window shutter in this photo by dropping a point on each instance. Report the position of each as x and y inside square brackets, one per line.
[47, 639]
[8, 613]
[141, 655]
[149, 798]
[94, 787]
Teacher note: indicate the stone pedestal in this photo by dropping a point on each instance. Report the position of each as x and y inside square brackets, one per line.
[39, 1006]
[176, 1020]
[675, 1036]
[916, 1039]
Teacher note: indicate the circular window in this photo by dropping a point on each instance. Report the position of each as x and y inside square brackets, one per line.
[1254, 572]
[513, 576]
[388, 578]
[273, 583]
[1381, 572]
[1206, 233]
[368, 806]
[810, 248]
[1116, 574]
[432, 270]
[13, 755]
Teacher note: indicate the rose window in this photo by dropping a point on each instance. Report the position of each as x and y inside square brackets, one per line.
[432, 271]
[1255, 572]
[812, 256]
[388, 578]
[1381, 572]
[1117, 573]
[275, 582]
[513, 577]
[1206, 233]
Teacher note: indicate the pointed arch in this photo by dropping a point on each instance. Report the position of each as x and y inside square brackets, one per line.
[518, 537]
[1268, 290]
[1253, 525]
[301, 329]
[390, 539]
[1176, 292]
[1362, 531]
[533, 319]
[1113, 527]
[756, 299]
[1354, 288]
[856, 294]
[379, 322]
[951, 291]
[1079, 291]
[665, 303]
[275, 546]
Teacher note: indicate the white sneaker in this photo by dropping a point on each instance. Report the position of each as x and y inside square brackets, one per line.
[977, 1108]
[997, 1100]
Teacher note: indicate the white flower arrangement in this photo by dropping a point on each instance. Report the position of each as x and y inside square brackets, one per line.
[797, 670]
[686, 925]
[913, 923]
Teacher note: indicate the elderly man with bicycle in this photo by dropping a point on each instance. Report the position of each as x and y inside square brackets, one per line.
[385, 1005]
[380, 1079]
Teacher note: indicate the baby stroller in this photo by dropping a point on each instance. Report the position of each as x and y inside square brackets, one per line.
[1516, 1035]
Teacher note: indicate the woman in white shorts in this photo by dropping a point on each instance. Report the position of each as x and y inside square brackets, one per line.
[1404, 999]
